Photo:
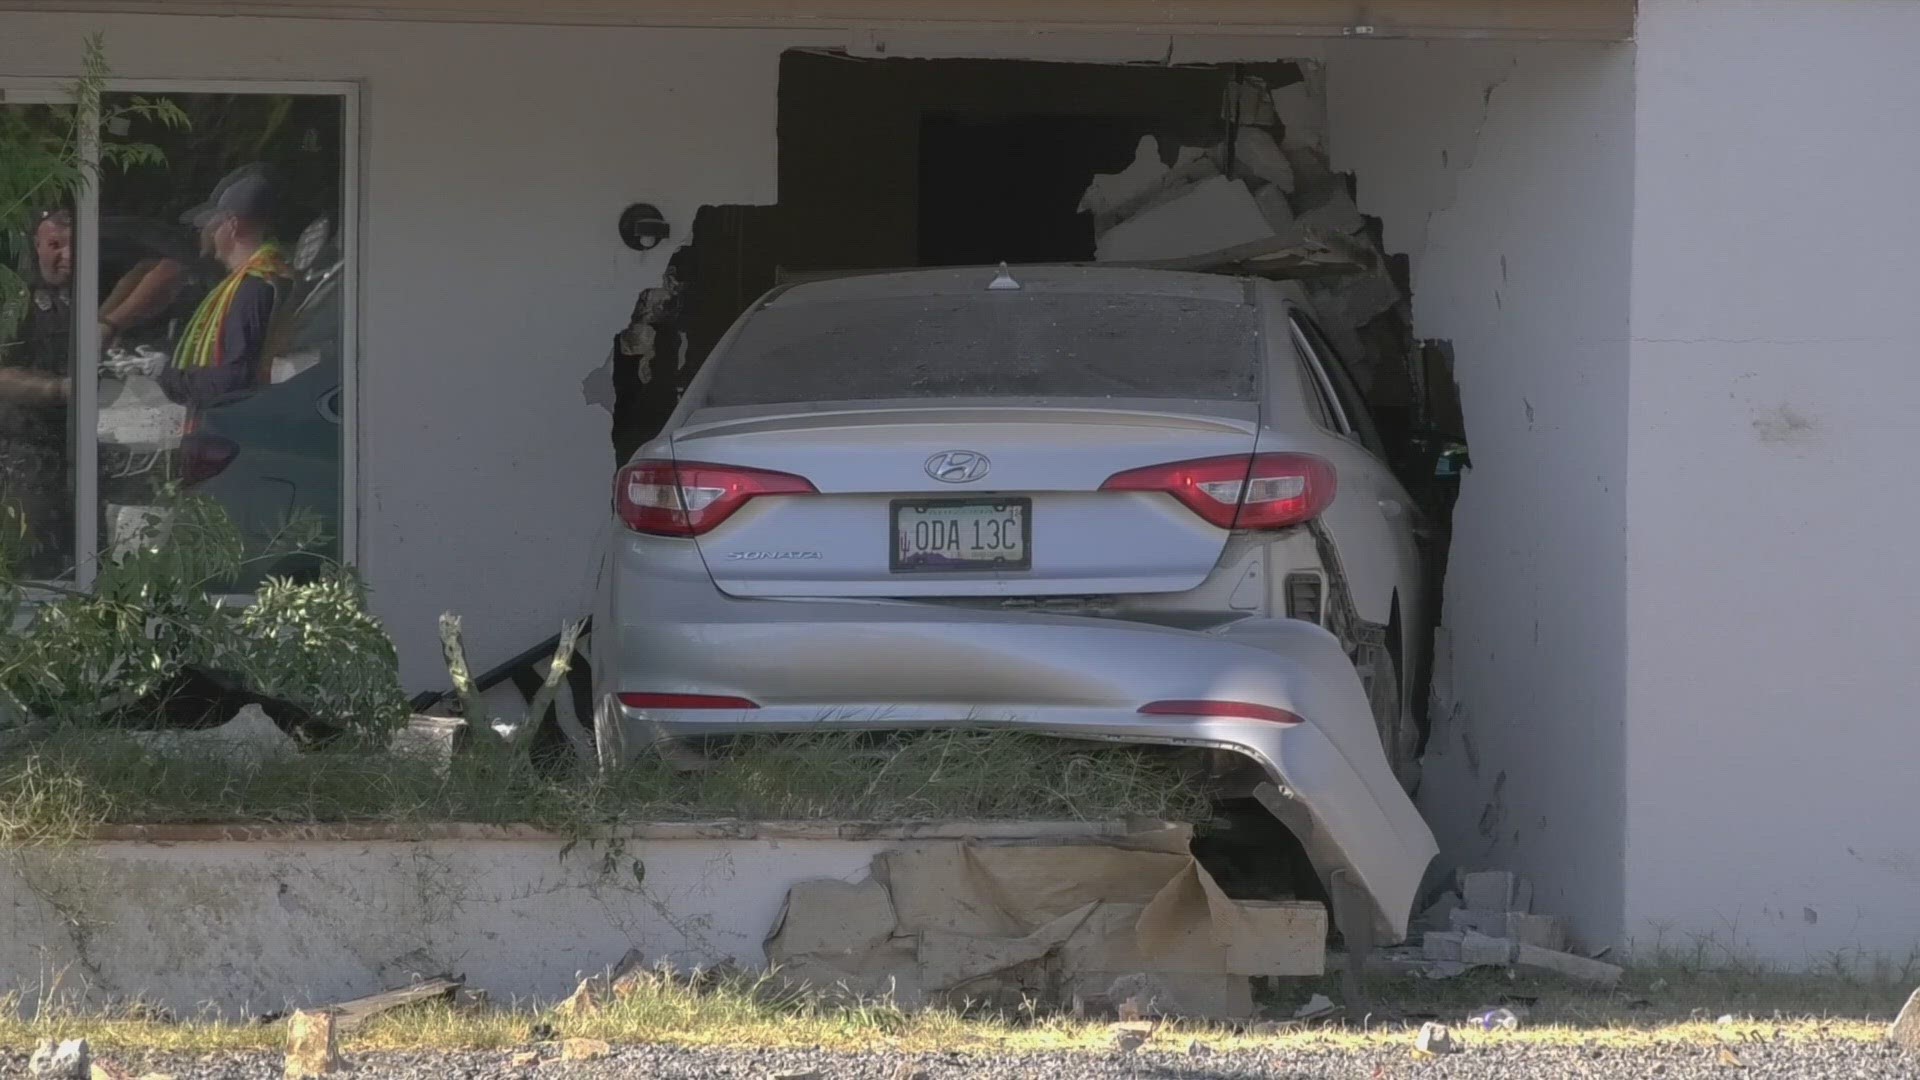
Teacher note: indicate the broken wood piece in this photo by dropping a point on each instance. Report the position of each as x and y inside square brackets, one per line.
[351, 1014]
[313, 1044]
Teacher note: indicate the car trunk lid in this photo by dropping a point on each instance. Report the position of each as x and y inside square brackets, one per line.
[1018, 483]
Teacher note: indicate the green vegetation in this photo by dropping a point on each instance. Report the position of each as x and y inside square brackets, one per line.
[81, 778]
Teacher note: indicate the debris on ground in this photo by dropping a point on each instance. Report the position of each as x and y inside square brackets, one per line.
[69, 1060]
[585, 1049]
[313, 1044]
[348, 1015]
[1905, 1032]
[1434, 1039]
[1507, 934]
[1133, 921]
[431, 739]
[1265, 200]
[1317, 1005]
[524, 1059]
[1130, 1035]
[250, 738]
[1534, 960]
[1495, 1020]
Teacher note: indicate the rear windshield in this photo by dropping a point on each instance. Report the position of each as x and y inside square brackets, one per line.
[991, 345]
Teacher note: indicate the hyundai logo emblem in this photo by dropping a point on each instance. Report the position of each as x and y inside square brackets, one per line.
[958, 466]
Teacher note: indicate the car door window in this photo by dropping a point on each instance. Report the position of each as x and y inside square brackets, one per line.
[1350, 408]
[1319, 387]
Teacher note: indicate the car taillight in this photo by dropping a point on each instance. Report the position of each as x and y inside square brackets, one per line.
[689, 498]
[203, 457]
[684, 701]
[1261, 491]
[1230, 710]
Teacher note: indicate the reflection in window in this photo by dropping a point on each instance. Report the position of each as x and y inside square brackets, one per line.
[36, 368]
[221, 324]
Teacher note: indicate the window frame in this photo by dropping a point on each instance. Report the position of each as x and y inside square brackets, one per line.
[1331, 377]
[86, 294]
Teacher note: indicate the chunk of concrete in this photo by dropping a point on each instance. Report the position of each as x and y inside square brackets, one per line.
[1492, 890]
[1110, 191]
[1905, 1032]
[1301, 118]
[1213, 215]
[69, 1060]
[1545, 931]
[1337, 216]
[1490, 923]
[430, 740]
[1441, 944]
[1439, 915]
[313, 1045]
[1540, 931]
[250, 738]
[1483, 951]
[1255, 153]
[1537, 961]
[1434, 1039]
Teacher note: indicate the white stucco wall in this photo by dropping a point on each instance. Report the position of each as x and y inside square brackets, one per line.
[496, 162]
[1505, 172]
[1773, 598]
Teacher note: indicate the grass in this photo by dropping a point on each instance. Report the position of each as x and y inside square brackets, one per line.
[85, 778]
[749, 1011]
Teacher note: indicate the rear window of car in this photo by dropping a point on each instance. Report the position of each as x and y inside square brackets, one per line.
[991, 345]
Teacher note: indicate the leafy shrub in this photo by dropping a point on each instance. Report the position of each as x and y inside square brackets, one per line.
[161, 605]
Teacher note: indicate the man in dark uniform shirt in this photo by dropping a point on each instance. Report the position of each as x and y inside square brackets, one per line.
[36, 380]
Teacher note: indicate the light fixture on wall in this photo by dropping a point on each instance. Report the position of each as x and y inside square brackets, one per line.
[643, 227]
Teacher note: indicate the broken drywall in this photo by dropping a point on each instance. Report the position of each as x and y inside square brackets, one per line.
[1053, 922]
[1265, 200]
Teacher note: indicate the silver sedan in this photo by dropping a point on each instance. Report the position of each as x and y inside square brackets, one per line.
[1101, 503]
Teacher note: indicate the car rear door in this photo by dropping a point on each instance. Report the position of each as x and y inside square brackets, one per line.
[1372, 519]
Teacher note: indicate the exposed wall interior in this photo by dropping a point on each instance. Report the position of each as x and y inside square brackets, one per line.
[1771, 582]
[1505, 172]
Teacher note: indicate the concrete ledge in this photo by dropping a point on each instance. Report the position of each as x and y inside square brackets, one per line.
[249, 919]
[691, 830]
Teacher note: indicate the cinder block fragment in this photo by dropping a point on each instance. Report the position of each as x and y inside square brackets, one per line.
[1538, 961]
[1490, 890]
[1481, 950]
[1441, 945]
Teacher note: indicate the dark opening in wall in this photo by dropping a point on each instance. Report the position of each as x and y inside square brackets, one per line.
[899, 163]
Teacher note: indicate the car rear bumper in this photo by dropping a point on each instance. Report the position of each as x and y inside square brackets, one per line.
[855, 664]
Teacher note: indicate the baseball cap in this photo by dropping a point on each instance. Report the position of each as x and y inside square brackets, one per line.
[247, 190]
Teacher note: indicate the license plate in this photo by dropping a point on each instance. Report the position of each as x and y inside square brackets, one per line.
[962, 534]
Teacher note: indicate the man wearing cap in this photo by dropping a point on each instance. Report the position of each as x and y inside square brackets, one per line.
[221, 352]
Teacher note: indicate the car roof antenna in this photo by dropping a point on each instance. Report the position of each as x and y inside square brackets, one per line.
[1004, 281]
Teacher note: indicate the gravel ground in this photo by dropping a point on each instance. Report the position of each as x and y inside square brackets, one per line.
[1833, 1060]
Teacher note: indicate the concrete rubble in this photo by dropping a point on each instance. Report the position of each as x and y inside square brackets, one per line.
[1135, 917]
[1434, 1039]
[61, 1060]
[1490, 923]
[250, 738]
[1905, 1032]
[1264, 200]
